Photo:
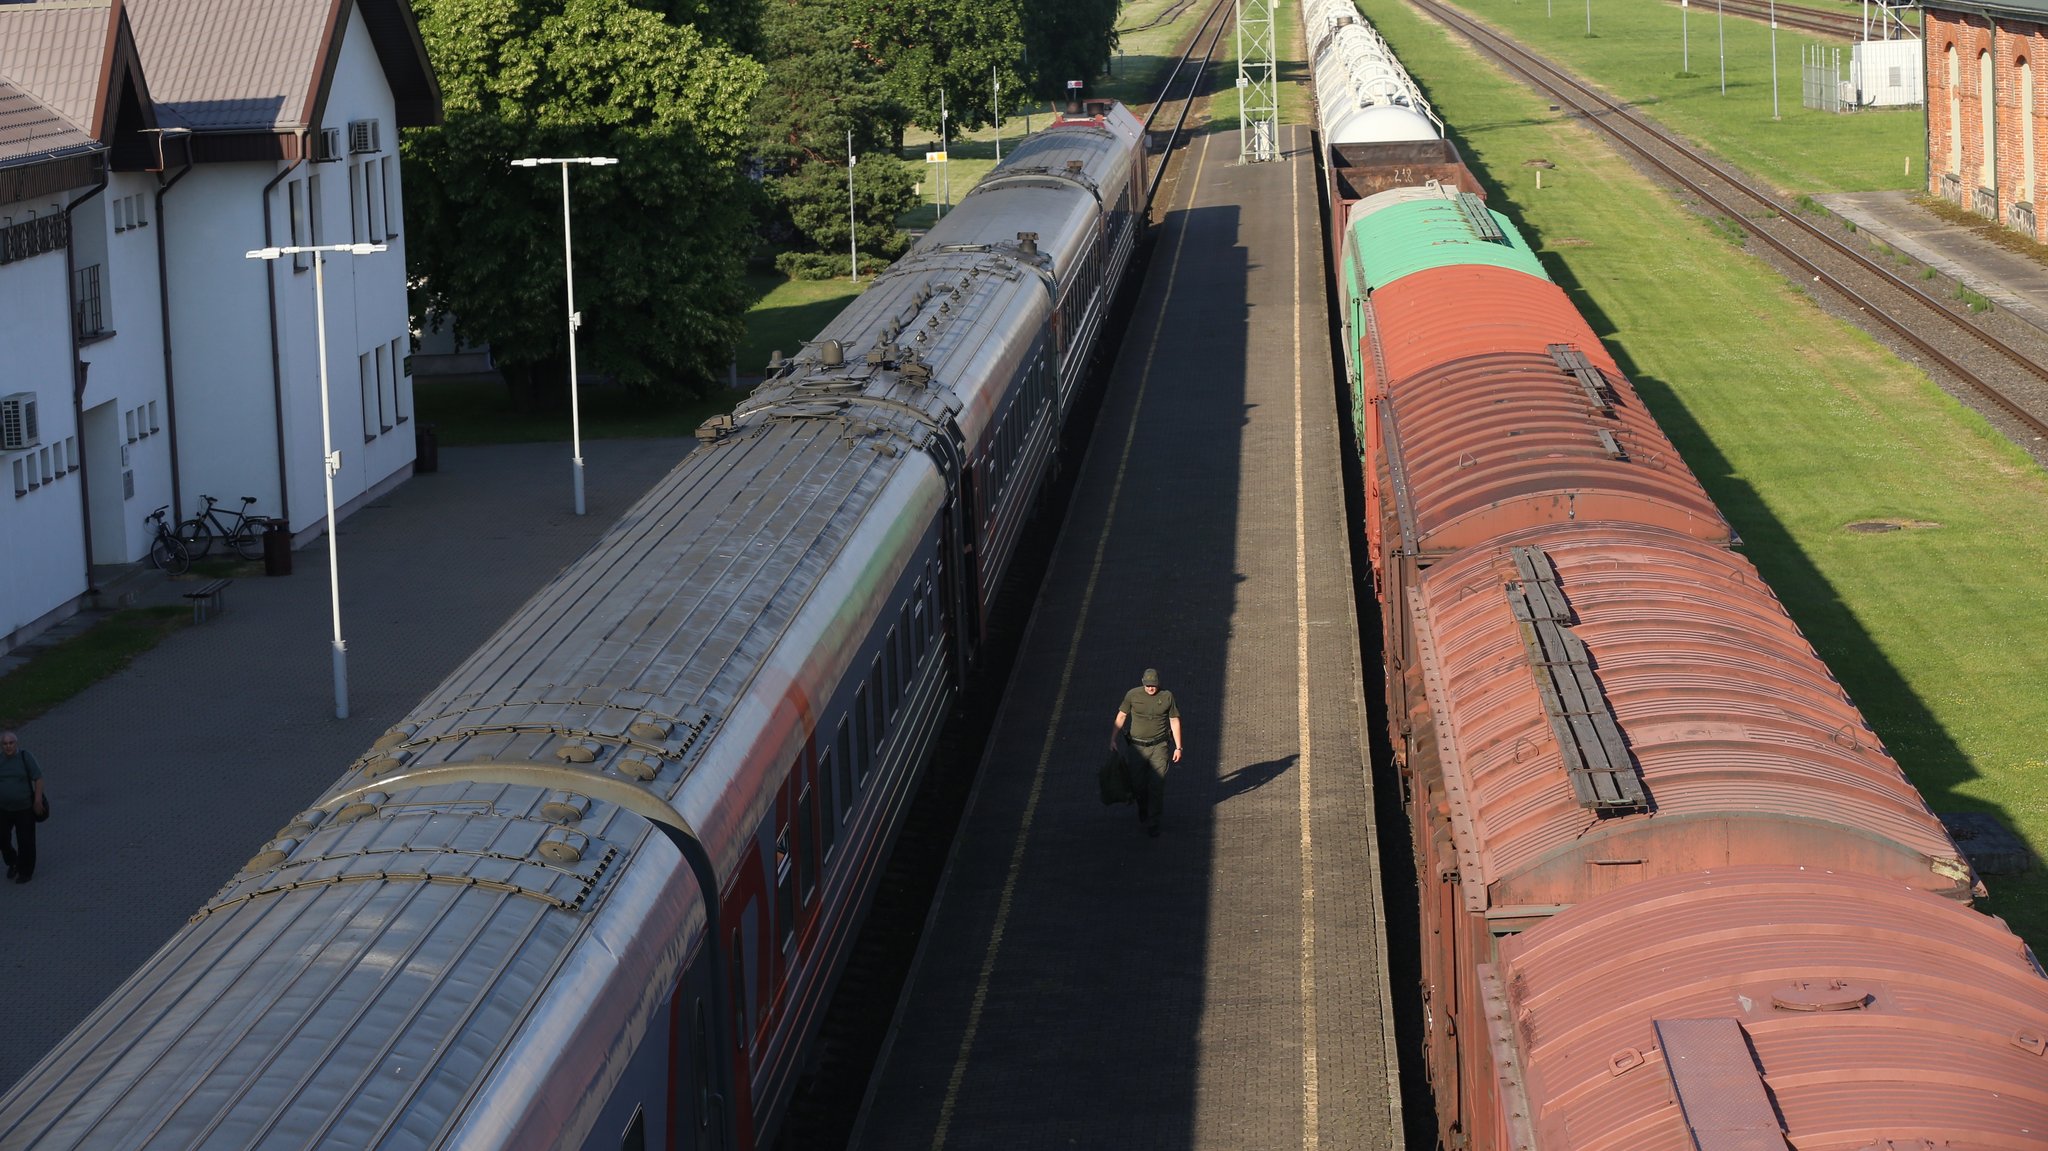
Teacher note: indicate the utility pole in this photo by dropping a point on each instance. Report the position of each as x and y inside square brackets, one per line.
[852, 213]
[945, 165]
[996, 88]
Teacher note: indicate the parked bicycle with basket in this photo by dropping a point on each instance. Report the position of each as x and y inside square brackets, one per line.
[166, 550]
[242, 530]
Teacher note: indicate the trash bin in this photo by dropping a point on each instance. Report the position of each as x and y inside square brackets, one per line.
[426, 448]
[277, 550]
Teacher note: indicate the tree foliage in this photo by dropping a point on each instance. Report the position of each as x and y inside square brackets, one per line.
[661, 238]
[1068, 40]
[816, 198]
[953, 49]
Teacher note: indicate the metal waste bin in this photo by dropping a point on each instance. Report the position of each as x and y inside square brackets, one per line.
[277, 550]
[426, 449]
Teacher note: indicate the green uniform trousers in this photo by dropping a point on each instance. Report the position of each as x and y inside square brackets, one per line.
[1149, 764]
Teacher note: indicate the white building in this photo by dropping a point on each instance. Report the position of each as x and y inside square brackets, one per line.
[145, 146]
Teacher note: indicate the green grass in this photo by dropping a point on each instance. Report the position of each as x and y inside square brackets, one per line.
[1800, 425]
[54, 675]
[1636, 49]
[788, 313]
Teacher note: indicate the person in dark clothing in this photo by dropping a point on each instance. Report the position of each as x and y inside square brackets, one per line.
[21, 797]
[1152, 715]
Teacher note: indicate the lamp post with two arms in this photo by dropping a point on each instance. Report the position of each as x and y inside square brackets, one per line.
[575, 317]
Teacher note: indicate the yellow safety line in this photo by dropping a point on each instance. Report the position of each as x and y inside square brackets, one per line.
[1059, 705]
[1310, 1131]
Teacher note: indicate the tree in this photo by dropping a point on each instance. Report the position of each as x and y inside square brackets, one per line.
[1069, 40]
[661, 238]
[933, 47]
[821, 89]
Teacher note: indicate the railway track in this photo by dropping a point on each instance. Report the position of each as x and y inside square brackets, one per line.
[1827, 22]
[1182, 88]
[2007, 373]
[829, 1093]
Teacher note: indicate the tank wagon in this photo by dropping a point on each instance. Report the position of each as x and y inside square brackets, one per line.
[1674, 892]
[595, 890]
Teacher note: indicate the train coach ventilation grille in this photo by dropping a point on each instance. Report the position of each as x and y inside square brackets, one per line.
[1484, 226]
[1574, 363]
[1595, 757]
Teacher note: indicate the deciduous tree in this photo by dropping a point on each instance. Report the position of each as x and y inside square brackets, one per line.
[661, 238]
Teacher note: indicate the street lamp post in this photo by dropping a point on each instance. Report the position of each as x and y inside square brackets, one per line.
[575, 317]
[330, 459]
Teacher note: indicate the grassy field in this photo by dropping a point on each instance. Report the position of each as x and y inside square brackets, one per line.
[1635, 52]
[1800, 426]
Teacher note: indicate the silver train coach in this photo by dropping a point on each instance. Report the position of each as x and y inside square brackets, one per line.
[595, 890]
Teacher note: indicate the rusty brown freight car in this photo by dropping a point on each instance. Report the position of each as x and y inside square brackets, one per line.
[1592, 706]
[1768, 1007]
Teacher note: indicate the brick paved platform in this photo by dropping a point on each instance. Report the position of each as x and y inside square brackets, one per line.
[165, 778]
[1081, 985]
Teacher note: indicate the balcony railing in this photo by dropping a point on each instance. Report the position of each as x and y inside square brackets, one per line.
[87, 312]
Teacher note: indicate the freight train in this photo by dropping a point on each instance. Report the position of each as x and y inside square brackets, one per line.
[594, 891]
[1674, 893]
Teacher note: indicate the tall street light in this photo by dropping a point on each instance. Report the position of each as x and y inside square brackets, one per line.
[575, 317]
[331, 459]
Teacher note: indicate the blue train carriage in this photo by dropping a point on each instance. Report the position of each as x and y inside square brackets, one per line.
[492, 932]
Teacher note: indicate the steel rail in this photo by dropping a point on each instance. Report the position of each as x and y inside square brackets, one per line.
[1186, 102]
[1603, 113]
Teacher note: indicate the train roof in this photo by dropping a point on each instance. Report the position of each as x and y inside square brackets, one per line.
[1503, 410]
[1614, 703]
[1771, 1006]
[1407, 230]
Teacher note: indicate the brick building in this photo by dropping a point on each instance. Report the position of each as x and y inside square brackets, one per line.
[1987, 108]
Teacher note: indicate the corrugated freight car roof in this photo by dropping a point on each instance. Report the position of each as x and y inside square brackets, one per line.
[1504, 410]
[1796, 984]
[1582, 649]
[1403, 231]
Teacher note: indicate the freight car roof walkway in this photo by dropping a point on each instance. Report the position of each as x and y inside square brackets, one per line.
[1224, 986]
[2008, 279]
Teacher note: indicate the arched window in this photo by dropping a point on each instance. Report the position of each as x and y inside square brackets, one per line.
[1986, 167]
[2030, 127]
[1955, 112]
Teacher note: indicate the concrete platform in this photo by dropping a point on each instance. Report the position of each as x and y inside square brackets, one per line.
[166, 777]
[1223, 987]
[2011, 281]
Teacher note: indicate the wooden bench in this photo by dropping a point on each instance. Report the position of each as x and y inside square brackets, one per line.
[208, 598]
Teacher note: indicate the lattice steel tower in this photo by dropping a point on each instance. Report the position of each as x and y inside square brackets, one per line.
[1258, 93]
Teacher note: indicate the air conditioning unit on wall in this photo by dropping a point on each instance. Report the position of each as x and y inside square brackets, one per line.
[362, 136]
[18, 422]
[328, 148]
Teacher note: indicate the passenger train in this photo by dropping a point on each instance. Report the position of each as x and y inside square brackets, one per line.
[1674, 892]
[595, 890]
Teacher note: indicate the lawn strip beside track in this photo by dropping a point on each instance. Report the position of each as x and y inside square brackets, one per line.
[1799, 426]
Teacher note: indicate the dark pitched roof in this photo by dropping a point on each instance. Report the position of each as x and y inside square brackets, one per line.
[2020, 9]
[265, 65]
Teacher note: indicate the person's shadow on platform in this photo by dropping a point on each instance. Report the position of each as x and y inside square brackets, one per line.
[1252, 777]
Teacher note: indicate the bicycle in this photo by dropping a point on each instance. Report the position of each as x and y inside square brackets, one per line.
[244, 533]
[166, 550]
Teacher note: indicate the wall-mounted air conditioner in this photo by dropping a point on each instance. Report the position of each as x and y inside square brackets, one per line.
[362, 136]
[18, 428]
[329, 147]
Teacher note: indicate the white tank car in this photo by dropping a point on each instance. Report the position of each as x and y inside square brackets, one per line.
[1363, 94]
[594, 890]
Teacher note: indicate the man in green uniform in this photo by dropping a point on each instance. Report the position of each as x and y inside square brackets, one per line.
[21, 796]
[1152, 714]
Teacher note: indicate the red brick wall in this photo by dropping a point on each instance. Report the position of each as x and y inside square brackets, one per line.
[2014, 40]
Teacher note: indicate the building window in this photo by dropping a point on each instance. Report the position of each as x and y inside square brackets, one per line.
[301, 222]
[387, 402]
[366, 370]
[1987, 167]
[20, 478]
[355, 203]
[1955, 112]
[153, 425]
[43, 457]
[2029, 128]
[391, 197]
[71, 453]
[401, 403]
[128, 424]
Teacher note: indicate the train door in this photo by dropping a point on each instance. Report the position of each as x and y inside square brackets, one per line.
[697, 1108]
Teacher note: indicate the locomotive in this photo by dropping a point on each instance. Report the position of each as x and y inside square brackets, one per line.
[1674, 892]
[595, 890]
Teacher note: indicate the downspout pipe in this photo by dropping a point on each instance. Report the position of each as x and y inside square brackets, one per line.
[78, 364]
[284, 491]
[163, 292]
